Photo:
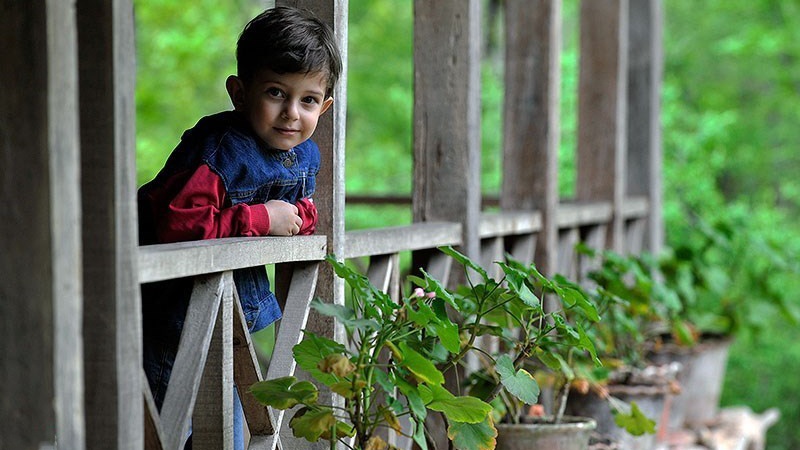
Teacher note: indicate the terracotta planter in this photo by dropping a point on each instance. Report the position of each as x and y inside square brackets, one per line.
[649, 399]
[571, 434]
[701, 380]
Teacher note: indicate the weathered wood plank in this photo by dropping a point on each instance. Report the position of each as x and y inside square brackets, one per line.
[522, 247]
[212, 419]
[636, 208]
[417, 236]
[167, 261]
[330, 194]
[447, 65]
[645, 72]
[602, 107]
[153, 434]
[190, 361]
[531, 123]
[112, 311]
[570, 215]
[295, 317]
[594, 236]
[492, 249]
[246, 372]
[509, 223]
[41, 370]
[567, 263]
[635, 230]
[379, 272]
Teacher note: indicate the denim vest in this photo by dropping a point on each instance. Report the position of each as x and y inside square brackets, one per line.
[252, 173]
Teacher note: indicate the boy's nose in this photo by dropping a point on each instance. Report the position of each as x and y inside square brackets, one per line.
[290, 110]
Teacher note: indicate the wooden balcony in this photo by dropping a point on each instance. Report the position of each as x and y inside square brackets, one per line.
[72, 269]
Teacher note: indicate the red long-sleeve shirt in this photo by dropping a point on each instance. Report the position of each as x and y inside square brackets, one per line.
[195, 206]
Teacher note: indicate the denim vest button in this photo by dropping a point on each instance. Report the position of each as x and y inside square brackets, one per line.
[287, 162]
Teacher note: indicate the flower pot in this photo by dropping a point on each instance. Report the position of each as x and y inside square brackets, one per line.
[571, 434]
[649, 399]
[701, 380]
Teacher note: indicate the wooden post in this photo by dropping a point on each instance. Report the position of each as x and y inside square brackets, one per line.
[531, 122]
[41, 370]
[644, 113]
[112, 313]
[329, 196]
[447, 115]
[602, 108]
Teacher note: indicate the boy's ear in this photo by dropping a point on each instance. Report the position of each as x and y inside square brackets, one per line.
[235, 88]
[325, 105]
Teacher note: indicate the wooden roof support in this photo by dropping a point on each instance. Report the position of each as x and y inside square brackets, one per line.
[112, 311]
[644, 113]
[41, 370]
[531, 123]
[447, 140]
[602, 108]
[330, 193]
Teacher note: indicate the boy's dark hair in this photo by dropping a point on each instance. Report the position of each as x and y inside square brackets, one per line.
[288, 40]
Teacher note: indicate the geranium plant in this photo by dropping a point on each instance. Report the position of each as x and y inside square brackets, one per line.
[389, 370]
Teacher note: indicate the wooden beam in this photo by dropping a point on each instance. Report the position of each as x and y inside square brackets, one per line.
[531, 122]
[602, 107]
[417, 236]
[181, 259]
[645, 67]
[41, 370]
[447, 115]
[190, 361]
[112, 311]
[212, 418]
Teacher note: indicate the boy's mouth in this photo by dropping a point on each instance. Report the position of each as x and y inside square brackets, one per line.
[287, 131]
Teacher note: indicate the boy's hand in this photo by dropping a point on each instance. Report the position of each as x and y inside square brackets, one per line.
[283, 218]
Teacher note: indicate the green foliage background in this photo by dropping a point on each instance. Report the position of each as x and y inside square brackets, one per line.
[730, 133]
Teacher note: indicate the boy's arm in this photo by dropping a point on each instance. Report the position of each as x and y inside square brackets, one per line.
[199, 211]
[308, 214]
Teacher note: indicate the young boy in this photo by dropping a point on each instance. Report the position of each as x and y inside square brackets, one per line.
[246, 172]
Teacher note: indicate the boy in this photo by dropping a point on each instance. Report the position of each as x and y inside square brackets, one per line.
[246, 172]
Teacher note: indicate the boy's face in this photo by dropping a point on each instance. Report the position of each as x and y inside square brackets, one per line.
[283, 109]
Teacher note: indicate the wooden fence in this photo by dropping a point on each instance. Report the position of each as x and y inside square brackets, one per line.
[72, 325]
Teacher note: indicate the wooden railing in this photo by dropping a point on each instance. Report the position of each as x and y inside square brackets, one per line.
[216, 351]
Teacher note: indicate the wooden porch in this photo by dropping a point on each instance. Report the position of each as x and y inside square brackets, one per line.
[71, 267]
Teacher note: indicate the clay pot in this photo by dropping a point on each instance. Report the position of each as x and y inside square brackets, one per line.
[572, 433]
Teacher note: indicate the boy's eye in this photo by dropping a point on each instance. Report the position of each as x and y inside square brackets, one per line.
[310, 100]
[274, 92]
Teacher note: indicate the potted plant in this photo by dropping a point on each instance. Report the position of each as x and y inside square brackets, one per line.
[635, 308]
[725, 274]
[524, 312]
[391, 369]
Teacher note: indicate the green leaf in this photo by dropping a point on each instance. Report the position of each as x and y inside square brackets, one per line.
[458, 409]
[311, 423]
[473, 436]
[314, 349]
[444, 328]
[415, 403]
[465, 261]
[516, 281]
[284, 392]
[422, 315]
[519, 383]
[419, 434]
[422, 368]
[635, 422]
[431, 284]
